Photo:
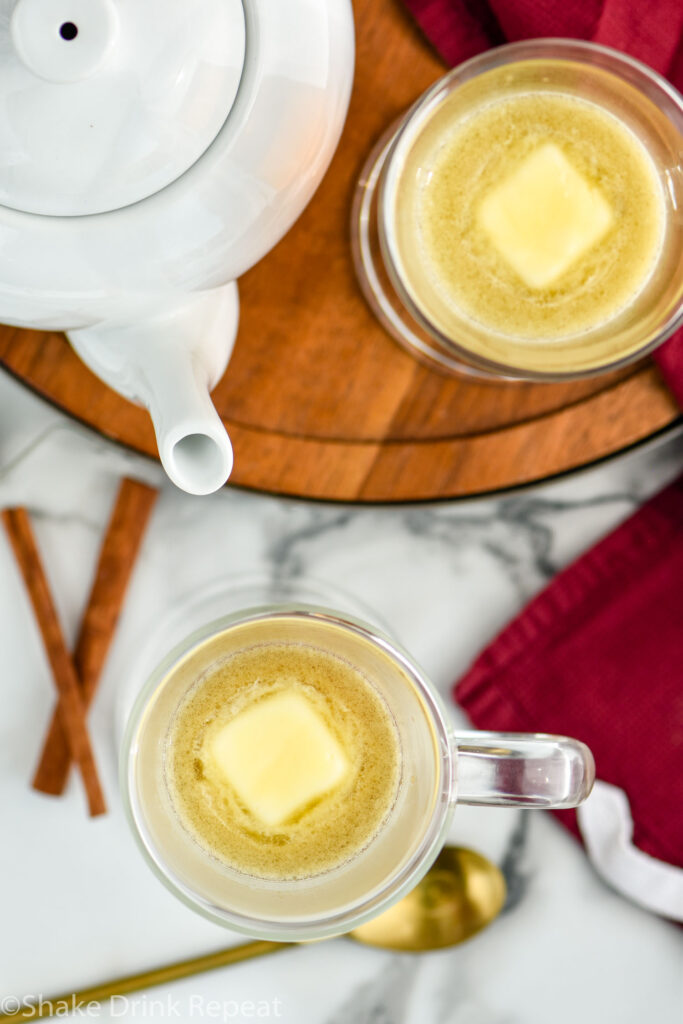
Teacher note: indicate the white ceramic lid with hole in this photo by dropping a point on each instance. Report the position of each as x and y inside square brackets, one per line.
[105, 102]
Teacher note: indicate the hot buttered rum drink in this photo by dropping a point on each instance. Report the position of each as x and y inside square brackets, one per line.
[282, 761]
[542, 216]
[527, 217]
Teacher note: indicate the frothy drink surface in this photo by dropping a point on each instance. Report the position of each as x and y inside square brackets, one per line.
[283, 761]
[539, 216]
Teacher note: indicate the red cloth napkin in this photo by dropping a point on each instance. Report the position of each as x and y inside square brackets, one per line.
[651, 31]
[599, 656]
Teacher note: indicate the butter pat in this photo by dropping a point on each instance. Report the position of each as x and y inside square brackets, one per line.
[544, 216]
[278, 755]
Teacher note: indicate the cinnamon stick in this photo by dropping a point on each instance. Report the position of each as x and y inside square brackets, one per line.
[72, 710]
[118, 554]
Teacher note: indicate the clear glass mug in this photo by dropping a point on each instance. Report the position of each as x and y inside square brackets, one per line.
[386, 256]
[440, 769]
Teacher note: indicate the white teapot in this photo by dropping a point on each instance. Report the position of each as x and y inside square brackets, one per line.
[151, 151]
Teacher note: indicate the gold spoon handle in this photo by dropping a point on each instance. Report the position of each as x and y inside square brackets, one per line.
[147, 979]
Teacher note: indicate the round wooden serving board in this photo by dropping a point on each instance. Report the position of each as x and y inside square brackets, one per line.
[318, 400]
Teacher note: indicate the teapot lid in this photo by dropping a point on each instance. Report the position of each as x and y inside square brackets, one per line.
[105, 102]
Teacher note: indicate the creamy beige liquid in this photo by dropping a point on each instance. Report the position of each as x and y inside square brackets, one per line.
[332, 827]
[459, 258]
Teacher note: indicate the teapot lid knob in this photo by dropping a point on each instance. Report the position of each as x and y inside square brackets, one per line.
[63, 40]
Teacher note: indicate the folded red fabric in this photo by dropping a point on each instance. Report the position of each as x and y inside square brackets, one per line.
[651, 32]
[598, 655]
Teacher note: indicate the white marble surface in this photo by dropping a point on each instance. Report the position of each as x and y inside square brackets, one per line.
[78, 905]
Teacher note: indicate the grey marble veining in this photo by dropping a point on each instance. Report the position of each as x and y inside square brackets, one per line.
[445, 577]
[514, 865]
[382, 1000]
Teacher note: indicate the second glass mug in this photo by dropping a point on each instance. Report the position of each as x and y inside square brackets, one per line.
[387, 258]
[440, 769]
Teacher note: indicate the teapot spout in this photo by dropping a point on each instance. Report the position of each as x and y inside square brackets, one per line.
[169, 362]
[193, 444]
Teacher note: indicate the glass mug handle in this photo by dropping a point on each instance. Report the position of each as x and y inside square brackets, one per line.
[516, 769]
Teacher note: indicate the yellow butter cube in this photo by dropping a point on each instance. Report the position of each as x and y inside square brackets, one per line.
[278, 755]
[544, 216]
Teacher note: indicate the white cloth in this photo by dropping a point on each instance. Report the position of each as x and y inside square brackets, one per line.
[607, 828]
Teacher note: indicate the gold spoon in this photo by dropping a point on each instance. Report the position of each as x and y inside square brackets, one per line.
[461, 893]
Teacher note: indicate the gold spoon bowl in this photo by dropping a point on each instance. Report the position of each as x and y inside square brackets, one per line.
[461, 893]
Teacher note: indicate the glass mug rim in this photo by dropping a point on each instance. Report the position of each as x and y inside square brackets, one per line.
[408, 130]
[398, 883]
